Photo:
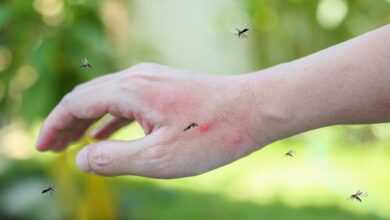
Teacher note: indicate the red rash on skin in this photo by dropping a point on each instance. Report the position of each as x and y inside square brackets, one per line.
[237, 139]
[204, 127]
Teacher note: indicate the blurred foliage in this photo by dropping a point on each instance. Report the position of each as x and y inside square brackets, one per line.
[42, 43]
[45, 42]
[289, 29]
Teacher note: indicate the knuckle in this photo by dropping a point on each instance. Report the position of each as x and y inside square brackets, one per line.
[100, 160]
[164, 160]
[82, 85]
[78, 87]
[158, 160]
[67, 99]
[127, 85]
[155, 154]
[141, 74]
[145, 66]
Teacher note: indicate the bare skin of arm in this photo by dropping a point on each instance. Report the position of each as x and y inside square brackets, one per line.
[235, 115]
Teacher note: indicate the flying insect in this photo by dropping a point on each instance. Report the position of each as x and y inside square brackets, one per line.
[85, 64]
[290, 153]
[192, 125]
[48, 189]
[241, 33]
[357, 196]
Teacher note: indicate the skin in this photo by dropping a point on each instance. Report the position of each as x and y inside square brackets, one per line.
[346, 84]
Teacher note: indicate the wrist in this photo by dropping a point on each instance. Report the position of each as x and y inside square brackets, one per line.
[281, 104]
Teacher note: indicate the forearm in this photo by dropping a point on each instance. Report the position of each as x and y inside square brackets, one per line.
[346, 84]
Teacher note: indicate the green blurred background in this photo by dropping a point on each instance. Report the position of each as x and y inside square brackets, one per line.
[42, 43]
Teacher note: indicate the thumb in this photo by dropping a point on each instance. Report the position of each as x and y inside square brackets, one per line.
[142, 157]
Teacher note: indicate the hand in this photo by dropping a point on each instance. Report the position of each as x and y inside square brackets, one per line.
[236, 115]
[164, 101]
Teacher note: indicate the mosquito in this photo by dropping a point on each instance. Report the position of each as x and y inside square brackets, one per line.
[48, 189]
[358, 195]
[85, 64]
[241, 33]
[290, 153]
[192, 125]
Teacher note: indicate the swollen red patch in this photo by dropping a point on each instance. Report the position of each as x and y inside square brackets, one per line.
[204, 127]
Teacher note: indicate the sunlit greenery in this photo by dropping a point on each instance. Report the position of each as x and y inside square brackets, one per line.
[42, 43]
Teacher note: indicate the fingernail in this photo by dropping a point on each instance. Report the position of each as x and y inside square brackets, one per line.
[82, 160]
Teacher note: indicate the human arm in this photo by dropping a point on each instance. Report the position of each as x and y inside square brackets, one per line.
[347, 83]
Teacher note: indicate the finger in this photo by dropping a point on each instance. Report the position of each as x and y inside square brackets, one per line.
[87, 104]
[142, 157]
[59, 141]
[109, 126]
[78, 132]
[80, 128]
[73, 134]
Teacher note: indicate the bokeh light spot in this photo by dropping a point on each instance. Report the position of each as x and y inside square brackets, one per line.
[51, 11]
[15, 142]
[330, 13]
[115, 17]
[25, 77]
[5, 58]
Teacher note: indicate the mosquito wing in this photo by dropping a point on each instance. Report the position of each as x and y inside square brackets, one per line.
[85, 61]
